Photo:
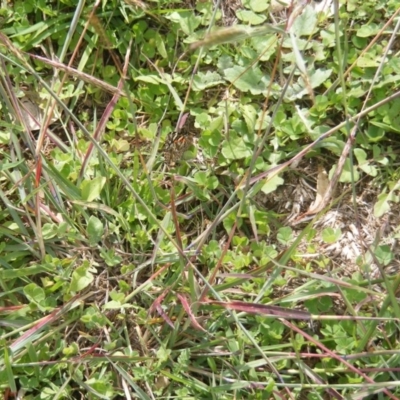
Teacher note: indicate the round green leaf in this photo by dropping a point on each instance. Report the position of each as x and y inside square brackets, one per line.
[95, 230]
[235, 149]
[81, 278]
[91, 189]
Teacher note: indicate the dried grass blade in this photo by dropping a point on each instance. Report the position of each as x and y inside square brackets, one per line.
[188, 309]
[262, 309]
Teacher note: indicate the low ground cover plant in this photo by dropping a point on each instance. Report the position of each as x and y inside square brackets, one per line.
[199, 199]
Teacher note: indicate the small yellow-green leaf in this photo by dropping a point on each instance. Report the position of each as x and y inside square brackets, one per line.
[382, 206]
[202, 81]
[364, 165]
[367, 61]
[384, 255]
[235, 149]
[120, 145]
[368, 30]
[187, 20]
[258, 5]
[361, 155]
[330, 235]
[153, 79]
[285, 235]
[35, 294]
[161, 46]
[250, 17]
[247, 79]
[81, 278]
[95, 230]
[91, 189]
[306, 23]
[347, 175]
[271, 184]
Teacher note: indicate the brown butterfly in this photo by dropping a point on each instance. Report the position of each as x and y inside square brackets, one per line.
[178, 142]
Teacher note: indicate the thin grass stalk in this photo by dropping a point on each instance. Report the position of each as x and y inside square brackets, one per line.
[106, 115]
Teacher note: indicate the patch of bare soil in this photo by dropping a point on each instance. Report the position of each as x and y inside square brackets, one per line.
[229, 8]
[361, 231]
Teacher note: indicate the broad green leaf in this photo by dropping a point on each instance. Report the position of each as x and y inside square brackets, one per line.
[271, 184]
[328, 36]
[154, 79]
[120, 145]
[330, 235]
[199, 191]
[186, 20]
[384, 255]
[368, 30]
[202, 81]
[324, 304]
[361, 156]
[201, 178]
[247, 79]
[250, 17]
[369, 169]
[160, 45]
[265, 46]
[91, 189]
[261, 219]
[392, 118]
[95, 230]
[346, 175]
[387, 81]
[368, 61]
[352, 5]
[49, 231]
[117, 296]
[100, 388]
[382, 206]
[235, 149]
[306, 23]
[319, 304]
[35, 294]
[163, 354]
[112, 305]
[231, 220]
[377, 131]
[5, 136]
[316, 79]
[212, 249]
[109, 256]
[225, 62]
[258, 5]
[81, 278]
[285, 235]
[250, 116]
[319, 77]
[207, 12]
